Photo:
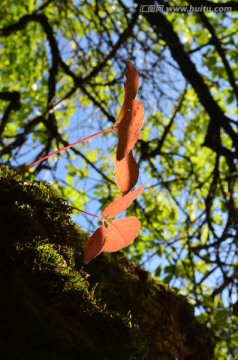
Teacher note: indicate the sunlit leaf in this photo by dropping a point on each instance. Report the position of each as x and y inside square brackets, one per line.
[128, 128]
[122, 203]
[95, 243]
[131, 88]
[126, 173]
[120, 233]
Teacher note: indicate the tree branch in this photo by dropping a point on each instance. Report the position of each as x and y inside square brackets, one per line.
[216, 42]
[14, 98]
[217, 118]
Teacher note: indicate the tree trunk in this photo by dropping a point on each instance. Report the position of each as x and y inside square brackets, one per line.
[54, 308]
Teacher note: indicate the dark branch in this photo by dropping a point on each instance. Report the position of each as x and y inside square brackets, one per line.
[14, 98]
[158, 148]
[218, 119]
[216, 42]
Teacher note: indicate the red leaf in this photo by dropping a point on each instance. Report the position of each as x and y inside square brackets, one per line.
[128, 128]
[126, 173]
[95, 243]
[131, 88]
[120, 233]
[122, 203]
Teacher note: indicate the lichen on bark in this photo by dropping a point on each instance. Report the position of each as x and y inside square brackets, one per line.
[54, 308]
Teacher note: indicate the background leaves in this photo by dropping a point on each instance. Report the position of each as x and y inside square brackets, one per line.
[187, 64]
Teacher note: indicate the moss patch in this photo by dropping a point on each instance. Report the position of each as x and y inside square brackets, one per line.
[53, 308]
[49, 312]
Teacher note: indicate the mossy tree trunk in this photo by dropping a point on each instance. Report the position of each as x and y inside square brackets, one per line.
[54, 308]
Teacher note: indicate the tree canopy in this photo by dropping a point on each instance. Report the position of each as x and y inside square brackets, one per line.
[62, 73]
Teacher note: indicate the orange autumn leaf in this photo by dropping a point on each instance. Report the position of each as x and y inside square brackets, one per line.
[122, 203]
[117, 234]
[128, 129]
[95, 243]
[120, 233]
[126, 173]
[131, 88]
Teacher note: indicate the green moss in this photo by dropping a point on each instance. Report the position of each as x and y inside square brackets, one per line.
[50, 311]
[54, 308]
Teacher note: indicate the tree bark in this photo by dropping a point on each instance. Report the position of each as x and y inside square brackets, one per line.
[54, 308]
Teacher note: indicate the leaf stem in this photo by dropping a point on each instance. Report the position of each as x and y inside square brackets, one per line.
[85, 212]
[59, 151]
